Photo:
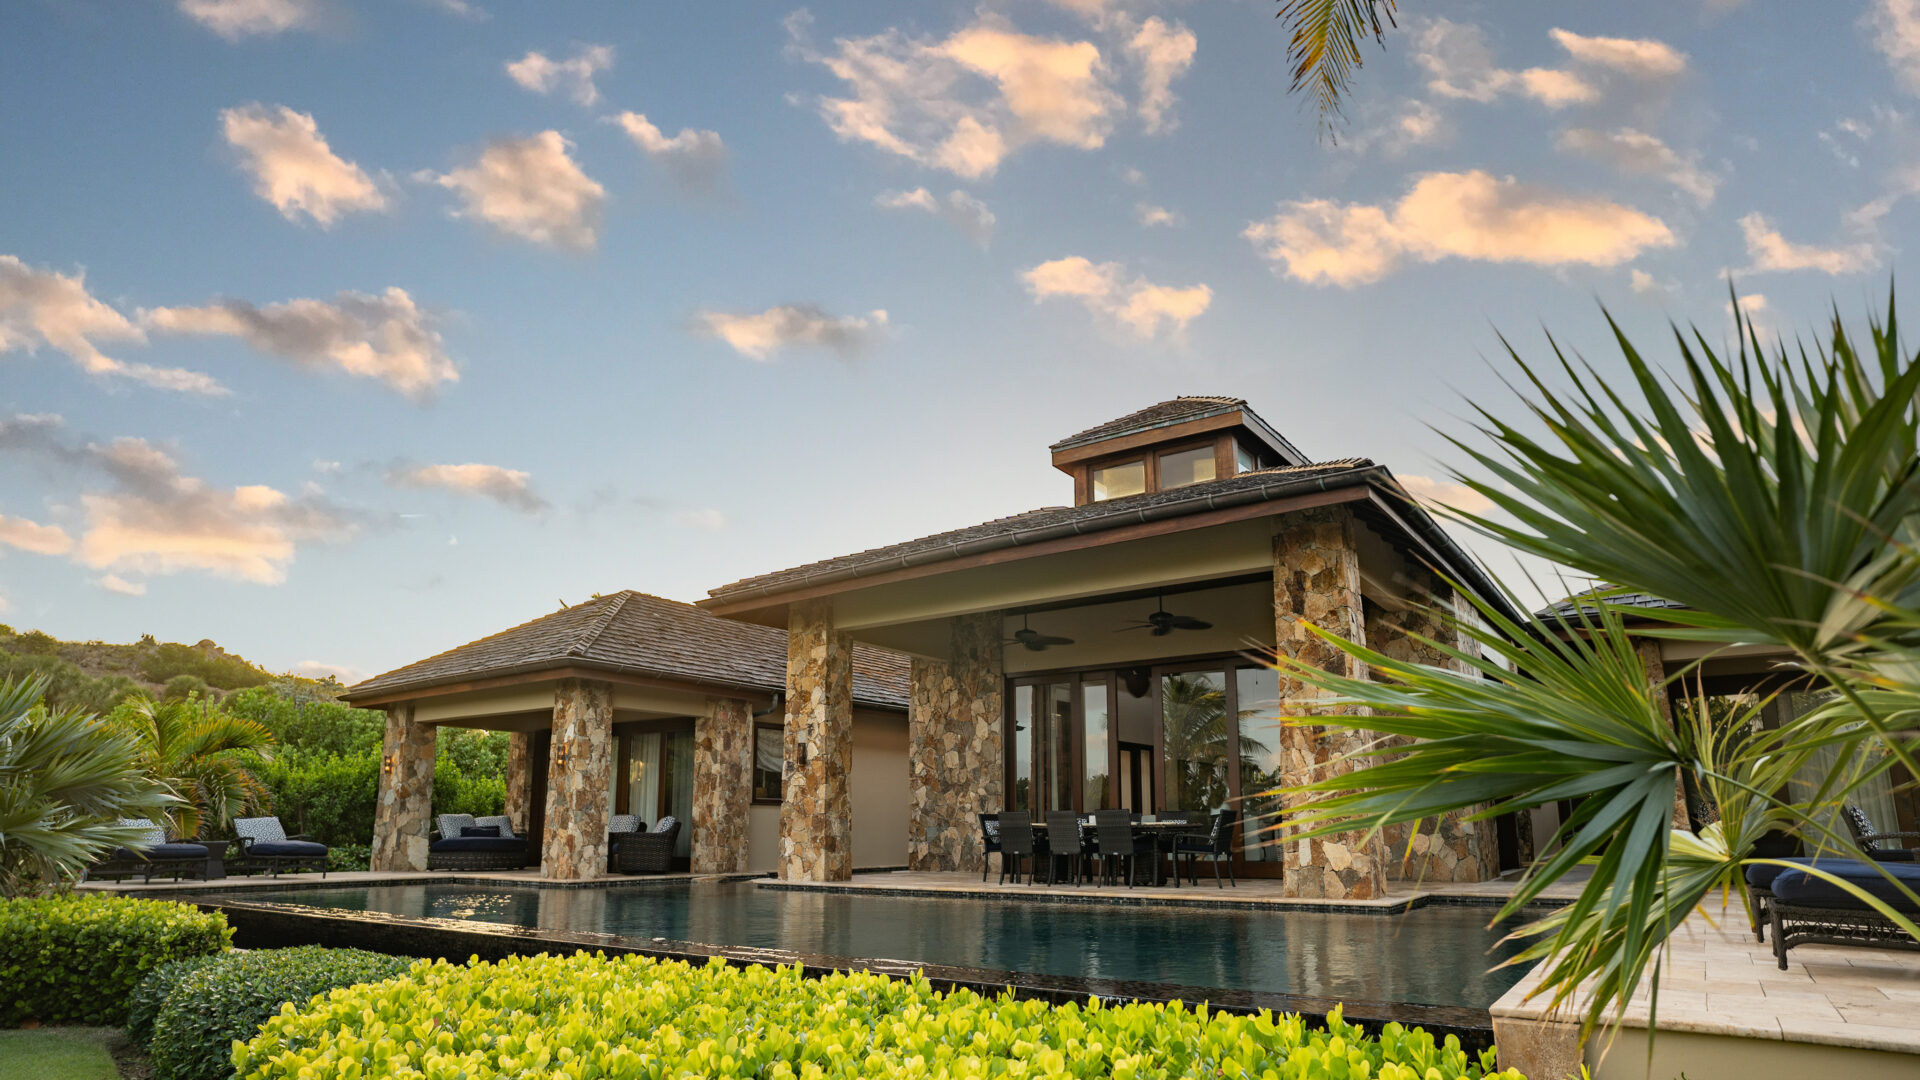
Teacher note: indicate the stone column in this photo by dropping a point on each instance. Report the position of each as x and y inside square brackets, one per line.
[722, 785]
[955, 768]
[1316, 579]
[519, 809]
[1451, 849]
[575, 845]
[816, 814]
[403, 818]
[1656, 669]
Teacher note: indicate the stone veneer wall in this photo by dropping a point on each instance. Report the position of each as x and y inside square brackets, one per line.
[722, 786]
[575, 845]
[519, 809]
[1451, 849]
[816, 813]
[955, 763]
[1316, 579]
[402, 821]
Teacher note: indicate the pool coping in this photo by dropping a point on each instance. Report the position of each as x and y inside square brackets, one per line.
[1395, 906]
[266, 924]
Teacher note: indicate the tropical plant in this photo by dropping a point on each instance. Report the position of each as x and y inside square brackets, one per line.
[66, 779]
[1776, 499]
[205, 755]
[1323, 47]
[78, 959]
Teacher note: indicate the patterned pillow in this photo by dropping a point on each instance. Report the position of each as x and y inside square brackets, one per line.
[499, 821]
[666, 823]
[259, 829]
[621, 823]
[151, 835]
[1861, 825]
[480, 830]
[454, 824]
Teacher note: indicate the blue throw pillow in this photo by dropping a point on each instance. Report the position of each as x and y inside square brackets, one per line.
[480, 830]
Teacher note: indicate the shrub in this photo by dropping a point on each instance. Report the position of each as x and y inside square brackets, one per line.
[153, 991]
[77, 959]
[348, 857]
[194, 1034]
[636, 1017]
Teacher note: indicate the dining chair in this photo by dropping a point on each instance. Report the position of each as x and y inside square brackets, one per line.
[1117, 843]
[1019, 840]
[1064, 842]
[990, 843]
[1216, 845]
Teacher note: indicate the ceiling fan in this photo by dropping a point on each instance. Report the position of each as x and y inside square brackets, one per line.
[1034, 640]
[1164, 622]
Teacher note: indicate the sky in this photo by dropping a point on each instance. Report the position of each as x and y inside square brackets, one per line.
[346, 331]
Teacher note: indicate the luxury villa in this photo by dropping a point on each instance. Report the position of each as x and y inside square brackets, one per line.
[860, 712]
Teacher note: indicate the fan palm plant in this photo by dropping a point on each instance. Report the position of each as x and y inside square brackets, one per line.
[1775, 498]
[206, 756]
[1323, 47]
[66, 779]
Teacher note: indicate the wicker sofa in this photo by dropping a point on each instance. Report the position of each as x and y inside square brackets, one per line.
[152, 854]
[470, 843]
[647, 852]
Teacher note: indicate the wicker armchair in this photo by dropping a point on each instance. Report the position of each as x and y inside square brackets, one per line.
[648, 852]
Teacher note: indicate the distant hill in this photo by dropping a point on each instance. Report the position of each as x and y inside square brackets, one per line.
[96, 675]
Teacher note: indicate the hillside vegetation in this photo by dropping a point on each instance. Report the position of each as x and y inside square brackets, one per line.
[94, 676]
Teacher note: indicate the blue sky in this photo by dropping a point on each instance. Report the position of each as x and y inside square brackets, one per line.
[344, 331]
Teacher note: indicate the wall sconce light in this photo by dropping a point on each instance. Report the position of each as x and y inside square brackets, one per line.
[560, 756]
[800, 749]
[386, 764]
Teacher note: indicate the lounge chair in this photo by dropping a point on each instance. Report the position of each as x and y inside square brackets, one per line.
[469, 843]
[1808, 910]
[265, 845]
[647, 852]
[1870, 837]
[151, 854]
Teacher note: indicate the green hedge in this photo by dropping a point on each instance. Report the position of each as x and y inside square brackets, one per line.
[633, 1018]
[227, 1000]
[77, 959]
[152, 993]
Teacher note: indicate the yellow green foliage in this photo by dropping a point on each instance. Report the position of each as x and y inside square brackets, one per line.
[590, 1017]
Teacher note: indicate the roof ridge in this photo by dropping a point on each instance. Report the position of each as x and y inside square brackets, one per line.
[600, 624]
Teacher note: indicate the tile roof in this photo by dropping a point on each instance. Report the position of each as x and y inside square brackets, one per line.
[1573, 605]
[638, 634]
[1165, 414]
[1052, 521]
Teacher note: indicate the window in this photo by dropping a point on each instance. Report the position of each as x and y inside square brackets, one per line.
[1118, 481]
[1243, 459]
[769, 762]
[1183, 467]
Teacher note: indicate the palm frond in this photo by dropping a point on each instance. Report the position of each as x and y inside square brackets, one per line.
[1323, 47]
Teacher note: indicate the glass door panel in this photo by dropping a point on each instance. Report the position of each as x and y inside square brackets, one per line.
[1095, 746]
[1195, 740]
[1257, 692]
[1058, 758]
[1020, 791]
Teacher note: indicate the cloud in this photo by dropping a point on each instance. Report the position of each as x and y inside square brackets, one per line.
[508, 487]
[531, 189]
[31, 536]
[293, 167]
[1471, 215]
[385, 337]
[1646, 284]
[1395, 130]
[1150, 215]
[543, 75]
[1138, 305]
[461, 8]
[1445, 493]
[759, 335]
[959, 209]
[1770, 251]
[1639, 153]
[1639, 58]
[236, 19]
[154, 519]
[340, 673]
[1896, 33]
[696, 160]
[705, 520]
[114, 583]
[1460, 64]
[47, 308]
[1163, 52]
[965, 102]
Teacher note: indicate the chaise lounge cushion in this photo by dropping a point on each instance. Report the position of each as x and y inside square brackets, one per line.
[288, 849]
[164, 851]
[1762, 875]
[1801, 888]
[477, 844]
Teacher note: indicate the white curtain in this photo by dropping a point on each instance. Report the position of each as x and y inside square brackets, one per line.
[1874, 798]
[643, 779]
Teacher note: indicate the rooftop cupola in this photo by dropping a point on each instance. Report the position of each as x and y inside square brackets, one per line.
[1189, 440]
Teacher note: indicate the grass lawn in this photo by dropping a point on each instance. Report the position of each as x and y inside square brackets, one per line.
[58, 1053]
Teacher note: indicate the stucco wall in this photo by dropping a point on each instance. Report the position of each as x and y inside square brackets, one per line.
[879, 799]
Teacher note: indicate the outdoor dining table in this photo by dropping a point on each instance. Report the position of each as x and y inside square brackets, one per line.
[1165, 834]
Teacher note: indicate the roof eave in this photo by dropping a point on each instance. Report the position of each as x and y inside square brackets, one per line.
[362, 696]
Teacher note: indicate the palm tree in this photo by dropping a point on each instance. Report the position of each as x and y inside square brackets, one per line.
[203, 755]
[65, 780]
[1777, 500]
[1324, 46]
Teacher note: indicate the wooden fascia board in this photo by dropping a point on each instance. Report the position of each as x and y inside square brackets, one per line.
[549, 675]
[757, 609]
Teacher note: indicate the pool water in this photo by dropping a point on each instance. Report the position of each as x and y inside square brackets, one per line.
[1436, 955]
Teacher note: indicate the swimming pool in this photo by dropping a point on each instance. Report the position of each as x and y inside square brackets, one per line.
[1436, 955]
